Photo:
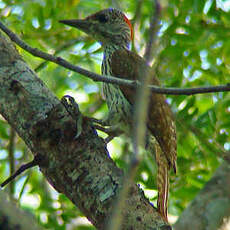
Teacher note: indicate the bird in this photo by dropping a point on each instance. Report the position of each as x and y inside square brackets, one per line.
[113, 30]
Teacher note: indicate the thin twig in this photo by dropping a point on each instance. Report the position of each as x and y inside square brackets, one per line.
[22, 168]
[24, 186]
[135, 20]
[137, 13]
[118, 81]
[11, 149]
[152, 32]
[139, 131]
[58, 51]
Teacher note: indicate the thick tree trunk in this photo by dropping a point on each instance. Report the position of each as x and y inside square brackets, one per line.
[211, 208]
[78, 167]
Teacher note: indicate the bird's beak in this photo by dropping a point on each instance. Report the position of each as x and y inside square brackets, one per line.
[81, 24]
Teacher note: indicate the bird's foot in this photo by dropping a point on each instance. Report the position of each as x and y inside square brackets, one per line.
[73, 109]
[111, 130]
[102, 125]
[99, 121]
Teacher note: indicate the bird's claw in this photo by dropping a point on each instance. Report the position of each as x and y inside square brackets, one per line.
[112, 131]
[73, 109]
[99, 121]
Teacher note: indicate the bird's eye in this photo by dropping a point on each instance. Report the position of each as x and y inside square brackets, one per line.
[102, 18]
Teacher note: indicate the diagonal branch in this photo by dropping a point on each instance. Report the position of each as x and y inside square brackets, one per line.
[96, 77]
[13, 217]
[79, 167]
[58, 51]
[211, 207]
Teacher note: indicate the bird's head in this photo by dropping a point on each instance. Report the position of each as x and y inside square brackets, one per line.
[109, 26]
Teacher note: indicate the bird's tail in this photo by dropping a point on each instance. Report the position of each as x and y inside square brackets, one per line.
[162, 183]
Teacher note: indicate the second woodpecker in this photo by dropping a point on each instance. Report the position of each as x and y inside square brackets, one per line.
[114, 31]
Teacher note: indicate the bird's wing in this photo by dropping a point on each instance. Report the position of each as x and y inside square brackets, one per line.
[160, 121]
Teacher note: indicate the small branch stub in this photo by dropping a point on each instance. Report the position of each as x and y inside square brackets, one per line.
[35, 162]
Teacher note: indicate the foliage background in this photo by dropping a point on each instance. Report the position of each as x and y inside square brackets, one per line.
[193, 50]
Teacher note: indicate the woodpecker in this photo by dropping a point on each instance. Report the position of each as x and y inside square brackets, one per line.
[114, 32]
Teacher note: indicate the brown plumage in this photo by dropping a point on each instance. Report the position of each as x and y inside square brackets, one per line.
[113, 30]
[160, 120]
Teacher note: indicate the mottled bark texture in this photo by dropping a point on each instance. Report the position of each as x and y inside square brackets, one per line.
[78, 167]
[210, 210]
[12, 218]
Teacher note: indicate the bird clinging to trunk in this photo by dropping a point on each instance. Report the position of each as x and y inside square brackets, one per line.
[114, 31]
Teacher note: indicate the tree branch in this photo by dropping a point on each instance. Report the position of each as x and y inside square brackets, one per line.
[78, 167]
[11, 217]
[137, 12]
[211, 207]
[22, 169]
[139, 132]
[96, 77]
[11, 149]
[58, 51]
[153, 29]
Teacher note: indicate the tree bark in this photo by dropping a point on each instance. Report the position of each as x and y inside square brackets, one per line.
[211, 208]
[12, 218]
[79, 167]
